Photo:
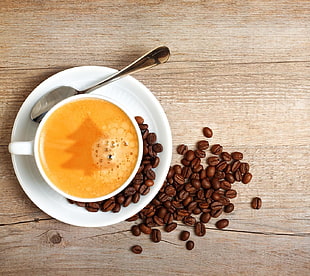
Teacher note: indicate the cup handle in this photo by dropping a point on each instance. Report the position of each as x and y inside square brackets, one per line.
[21, 148]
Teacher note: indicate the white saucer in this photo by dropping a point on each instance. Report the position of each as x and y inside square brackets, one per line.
[136, 97]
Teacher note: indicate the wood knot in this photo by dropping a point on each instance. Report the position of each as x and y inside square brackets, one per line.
[56, 238]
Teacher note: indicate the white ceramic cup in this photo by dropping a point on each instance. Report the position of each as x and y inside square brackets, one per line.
[32, 147]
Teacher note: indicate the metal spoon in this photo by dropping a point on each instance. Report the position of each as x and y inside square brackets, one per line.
[156, 56]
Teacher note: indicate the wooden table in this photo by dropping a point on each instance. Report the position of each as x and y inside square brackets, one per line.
[240, 67]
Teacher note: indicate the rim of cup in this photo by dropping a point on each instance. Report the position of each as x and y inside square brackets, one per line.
[70, 99]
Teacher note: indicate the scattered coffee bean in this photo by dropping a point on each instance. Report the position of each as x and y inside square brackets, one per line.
[246, 178]
[145, 229]
[256, 203]
[237, 155]
[139, 120]
[229, 208]
[182, 149]
[156, 235]
[216, 149]
[190, 245]
[203, 145]
[200, 229]
[207, 132]
[135, 230]
[213, 161]
[226, 156]
[137, 249]
[184, 235]
[205, 217]
[170, 227]
[222, 223]
[151, 138]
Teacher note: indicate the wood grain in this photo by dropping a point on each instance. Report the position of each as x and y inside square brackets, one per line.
[240, 67]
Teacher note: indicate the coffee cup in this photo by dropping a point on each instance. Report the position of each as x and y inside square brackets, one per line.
[87, 148]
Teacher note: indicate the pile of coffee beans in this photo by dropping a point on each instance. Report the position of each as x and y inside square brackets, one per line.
[201, 187]
[143, 180]
[198, 189]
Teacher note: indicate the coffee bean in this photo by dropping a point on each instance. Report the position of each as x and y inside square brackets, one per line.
[149, 222]
[137, 249]
[156, 235]
[184, 235]
[225, 156]
[190, 245]
[221, 166]
[215, 183]
[246, 178]
[189, 155]
[222, 223]
[168, 218]
[229, 208]
[205, 183]
[129, 191]
[170, 227]
[229, 177]
[244, 168]
[186, 172]
[145, 229]
[207, 132]
[108, 205]
[155, 162]
[159, 221]
[170, 190]
[135, 230]
[213, 161]
[185, 162]
[215, 213]
[177, 169]
[196, 184]
[200, 153]
[205, 217]
[149, 182]
[200, 229]
[161, 212]
[195, 163]
[133, 218]
[182, 149]
[235, 165]
[189, 220]
[210, 171]
[179, 179]
[203, 145]
[231, 193]
[216, 149]
[216, 205]
[225, 185]
[256, 203]
[151, 138]
[118, 207]
[150, 174]
[216, 196]
[237, 155]
[144, 190]
[157, 147]
[139, 120]
[135, 198]
[238, 175]
[91, 209]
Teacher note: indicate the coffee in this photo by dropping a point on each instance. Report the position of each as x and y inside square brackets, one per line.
[88, 148]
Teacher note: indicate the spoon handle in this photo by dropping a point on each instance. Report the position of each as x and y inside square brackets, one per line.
[152, 58]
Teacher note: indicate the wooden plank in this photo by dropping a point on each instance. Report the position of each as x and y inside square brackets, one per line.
[241, 68]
